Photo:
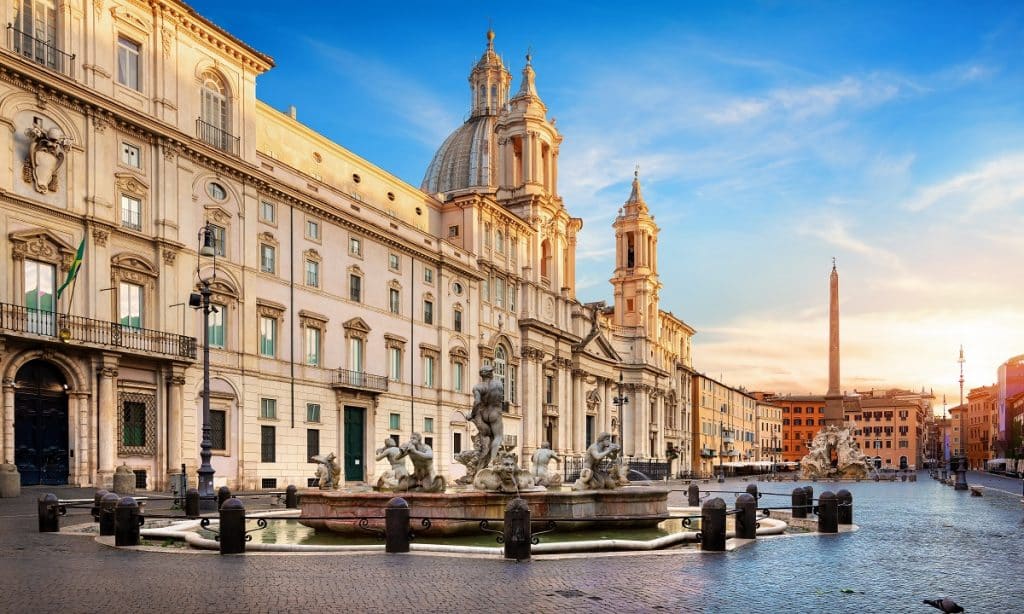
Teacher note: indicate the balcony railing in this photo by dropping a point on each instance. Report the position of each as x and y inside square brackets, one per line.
[79, 330]
[41, 52]
[221, 139]
[357, 380]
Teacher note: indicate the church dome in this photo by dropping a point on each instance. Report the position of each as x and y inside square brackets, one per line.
[465, 159]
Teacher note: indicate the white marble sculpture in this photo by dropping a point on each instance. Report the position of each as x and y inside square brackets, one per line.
[542, 457]
[834, 454]
[603, 468]
[46, 153]
[328, 471]
[422, 478]
[391, 479]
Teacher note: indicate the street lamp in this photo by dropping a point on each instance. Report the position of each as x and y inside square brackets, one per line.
[620, 402]
[201, 300]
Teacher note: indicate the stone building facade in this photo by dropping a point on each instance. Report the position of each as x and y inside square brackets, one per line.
[350, 306]
[982, 425]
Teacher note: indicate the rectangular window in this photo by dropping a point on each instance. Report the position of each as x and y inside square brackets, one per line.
[355, 246]
[312, 274]
[549, 389]
[457, 374]
[268, 444]
[393, 261]
[456, 443]
[312, 412]
[268, 409]
[512, 291]
[268, 258]
[313, 230]
[217, 315]
[219, 429]
[130, 304]
[453, 232]
[131, 212]
[457, 320]
[428, 312]
[268, 336]
[131, 155]
[220, 240]
[268, 212]
[499, 292]
[428, 371]
[428, 275]
[395, 364]
[312, 443]
[355, 288]
[134, 430]
[510, 392]
[428, 425]
[356, 362]
[128, 65]
[485, 290]
[395, 422]
[487, 235]
[39, 285]
[394, 300]
[312, 346]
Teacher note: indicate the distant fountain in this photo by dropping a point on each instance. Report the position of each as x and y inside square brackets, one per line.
[834, 454]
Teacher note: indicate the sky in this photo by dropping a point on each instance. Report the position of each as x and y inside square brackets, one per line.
[770, 138]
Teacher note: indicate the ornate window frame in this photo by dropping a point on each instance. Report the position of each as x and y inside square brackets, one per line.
[148, 398]
[133, 269]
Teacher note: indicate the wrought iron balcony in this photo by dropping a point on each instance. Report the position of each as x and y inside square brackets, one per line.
[221, 139]
[357, 380]
[39, 51]
[49, 326]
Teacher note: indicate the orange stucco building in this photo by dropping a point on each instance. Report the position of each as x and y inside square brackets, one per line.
[981, 424]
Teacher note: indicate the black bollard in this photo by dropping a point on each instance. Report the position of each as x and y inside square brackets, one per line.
[693, 495]
[126, 522]
[712, 525]
[108, 506]
[828, 521]
[845, 513]
[752, 491]
[49, 513]
[96, 498]
[517, 530]
[798, 502]
[746, 519]
[809, 499]
[396, 526]
[961, 474]
[192, 503]
[232, 527]
[223, 494]
[291, 499]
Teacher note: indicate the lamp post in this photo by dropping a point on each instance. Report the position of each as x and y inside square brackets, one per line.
[201, 300]
[620, 402]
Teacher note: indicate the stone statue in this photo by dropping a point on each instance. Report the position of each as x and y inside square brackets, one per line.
[505, 475]
[542, 457]
[389, 480]
[470, 458]
[602, 466]
[422, 478]
[593, 400]
[328, 471]
[46, 154]
[488, 396]
[834, 454]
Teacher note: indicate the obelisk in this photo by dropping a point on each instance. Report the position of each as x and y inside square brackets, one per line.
[834, 397]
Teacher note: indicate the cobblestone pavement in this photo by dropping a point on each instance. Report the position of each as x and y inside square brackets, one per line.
[916, 540]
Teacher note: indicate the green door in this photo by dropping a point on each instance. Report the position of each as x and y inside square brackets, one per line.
[354, 419]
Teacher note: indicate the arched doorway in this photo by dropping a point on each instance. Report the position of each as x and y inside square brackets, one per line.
[41, 424]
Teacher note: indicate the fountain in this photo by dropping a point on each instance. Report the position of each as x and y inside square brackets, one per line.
[834, 455]
[493, 478]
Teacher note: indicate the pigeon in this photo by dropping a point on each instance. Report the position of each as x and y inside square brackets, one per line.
[945, 604]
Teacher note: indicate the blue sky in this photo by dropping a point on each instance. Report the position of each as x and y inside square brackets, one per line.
[770, 137]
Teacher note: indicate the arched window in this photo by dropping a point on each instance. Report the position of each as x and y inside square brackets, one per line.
[215, 117]
[545, 259]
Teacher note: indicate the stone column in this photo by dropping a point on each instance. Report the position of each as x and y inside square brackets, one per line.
[627, 415]
[107, 421]
[554, 172]
[527, 157]
[579, 412]
[175, 400]
[78, 413]
[7, 437]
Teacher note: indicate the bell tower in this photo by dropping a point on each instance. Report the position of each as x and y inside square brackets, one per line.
[635, 280]
[489, 82]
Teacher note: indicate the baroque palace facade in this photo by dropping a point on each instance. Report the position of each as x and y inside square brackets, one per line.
[350, 306]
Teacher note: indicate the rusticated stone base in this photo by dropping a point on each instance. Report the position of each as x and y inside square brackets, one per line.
[448, 512]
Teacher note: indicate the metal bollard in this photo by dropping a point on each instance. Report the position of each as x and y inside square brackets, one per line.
[828, 521]
[396, 526]
[746, 520]
[232, 527]
[291, 499]
[798, 503]
[192, 503]
[127, 521]
[96, 498]
[845, 513]
[108, 505]
[693, 495]
[809, 500]
[961, 474]
[712, 525]
[49, 513]
[517, 530]
[223, 494]
[752, 491]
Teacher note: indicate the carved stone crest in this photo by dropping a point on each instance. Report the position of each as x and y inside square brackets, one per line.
[46, 154]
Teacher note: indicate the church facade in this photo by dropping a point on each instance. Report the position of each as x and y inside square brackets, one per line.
[350, 306]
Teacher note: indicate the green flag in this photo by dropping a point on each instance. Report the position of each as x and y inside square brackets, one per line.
[73, 271]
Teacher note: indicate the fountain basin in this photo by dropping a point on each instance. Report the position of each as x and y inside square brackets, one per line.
[341, 511]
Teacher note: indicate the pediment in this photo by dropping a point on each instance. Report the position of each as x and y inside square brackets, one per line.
[597, 344]
[218, 214]
[357, 324]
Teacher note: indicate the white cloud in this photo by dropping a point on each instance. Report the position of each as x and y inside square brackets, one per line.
[995, 184]
[835, 231]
